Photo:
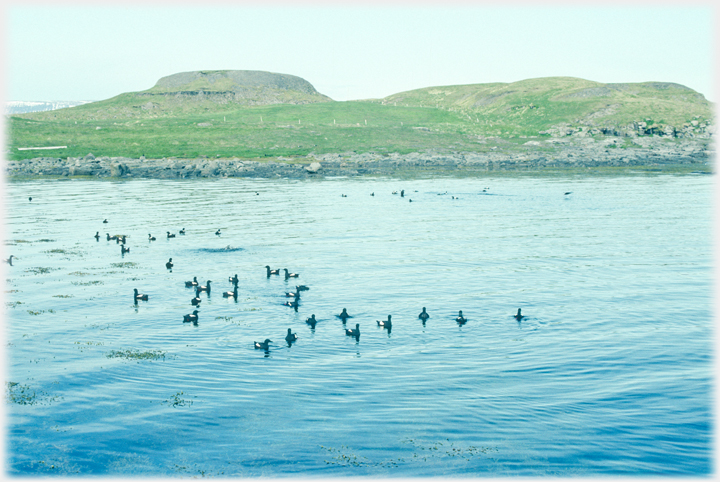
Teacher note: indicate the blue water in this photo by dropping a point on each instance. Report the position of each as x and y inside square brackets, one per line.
[611, 373]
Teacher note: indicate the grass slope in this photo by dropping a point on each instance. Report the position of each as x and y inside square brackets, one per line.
[455, 118]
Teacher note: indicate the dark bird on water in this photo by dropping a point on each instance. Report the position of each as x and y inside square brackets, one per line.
[519, 316]
[169, 264]
[461, 319]
[424, 315]
[569, 192]
[194, 282]
[169, 235]
[110, 238]
[151, 237]
[231, 294]
[217, 232]
[265, 345]
[123, 249]
[311, 321]
[402, 193]
[344, 315]
[9, 260]
[292, 294]
[30, 198]
[105, 221]
[182, 231]
[195, 301]
[302, 288]
[292, 304]
[272, 271]
[233, 279]
[191, 318]
[355, 332]
[291, 337]
[138, 296]
[290, 275]
[97, 235]
[205, 288]
[385, 323]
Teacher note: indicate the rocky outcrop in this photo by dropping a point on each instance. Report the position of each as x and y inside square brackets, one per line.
[538, 154]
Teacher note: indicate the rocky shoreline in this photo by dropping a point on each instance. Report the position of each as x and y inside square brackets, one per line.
[555, 153]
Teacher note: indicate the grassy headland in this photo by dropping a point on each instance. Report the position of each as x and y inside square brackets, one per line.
[257, 115]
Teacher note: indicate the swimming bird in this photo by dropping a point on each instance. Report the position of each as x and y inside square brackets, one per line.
[567, 193]
[217, 232]
[190, 284]
[105, 221]
[402, 193]
[123, 249]
[169, 235]
[233, 279]
[292, 304]
[30, 198]
[272, 271]
[372, 194]
[192, 317]
[169, 264]
[151, 237]
[231, 294]
[182, 231]
[9, 260]
[519, 316]
[291, 337]
[195, 301]
[205, 288]
[343, 195]
[424, 315]
[265, 345]
[110, 238]
[311, 321]
[138, 296]
[291, 294]
[385, 323]
[344, 315]
[97, 235]
[123, 239]
[290, 275]
[302, 288]
[461, 319]
[355, 332]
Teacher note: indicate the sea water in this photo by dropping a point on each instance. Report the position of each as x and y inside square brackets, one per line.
[610, 373]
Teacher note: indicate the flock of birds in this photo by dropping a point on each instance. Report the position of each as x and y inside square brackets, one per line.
[293, 303]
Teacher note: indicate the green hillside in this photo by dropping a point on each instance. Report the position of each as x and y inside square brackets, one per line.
[258, 114]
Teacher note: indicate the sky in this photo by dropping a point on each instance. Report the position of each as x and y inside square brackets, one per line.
[70, 51]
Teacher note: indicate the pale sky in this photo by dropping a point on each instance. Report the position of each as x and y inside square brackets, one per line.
[81, 52]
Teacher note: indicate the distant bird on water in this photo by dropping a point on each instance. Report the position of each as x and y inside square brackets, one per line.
[290, 275]
[97, 236]
[302, 288]
[182, 231]
[190, 284]
[424, 315]
[169, 264]
[205, 288]
[385, 323]
[217, 232]
[169, 235]
[265, 345]
[567, 193]
[30, 198]
[195, 301]
[519, 316]
[105, 221]
[9, 260]
[292, 304]
[231, 294]
[110, 238]
[191, 318]
[355, 332]
[272, 271]
[151, 237]
[344, 315]
[123, 249]
[290, 337]
[138, 296]
[461, 319]
[234, 280]
[311, 321]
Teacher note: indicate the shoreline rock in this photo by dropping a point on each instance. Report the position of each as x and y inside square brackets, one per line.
[554, 153]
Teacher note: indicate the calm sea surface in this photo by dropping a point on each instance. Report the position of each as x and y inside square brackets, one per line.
[611, 373]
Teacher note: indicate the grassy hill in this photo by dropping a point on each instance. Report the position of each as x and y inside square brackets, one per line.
[259, 114]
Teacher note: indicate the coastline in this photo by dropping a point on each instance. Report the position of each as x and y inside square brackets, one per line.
[558, 156]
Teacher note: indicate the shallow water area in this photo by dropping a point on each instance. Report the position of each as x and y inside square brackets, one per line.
[610, 373]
